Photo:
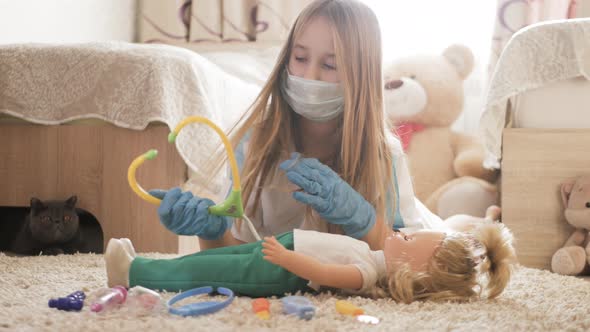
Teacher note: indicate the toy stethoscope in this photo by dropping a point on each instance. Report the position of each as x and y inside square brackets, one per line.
[232, 206]
[200, 308]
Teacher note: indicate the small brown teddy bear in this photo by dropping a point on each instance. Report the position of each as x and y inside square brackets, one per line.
[574, 257]
[423, 97]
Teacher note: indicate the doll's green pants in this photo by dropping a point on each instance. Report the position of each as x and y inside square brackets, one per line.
[239, 268]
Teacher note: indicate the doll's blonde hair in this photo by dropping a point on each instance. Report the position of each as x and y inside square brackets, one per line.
[466, 266]
[365, 158]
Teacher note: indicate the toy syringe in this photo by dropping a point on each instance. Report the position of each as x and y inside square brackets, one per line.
[232, 206]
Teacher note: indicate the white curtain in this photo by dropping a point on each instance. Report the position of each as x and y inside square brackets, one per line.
[198, 21]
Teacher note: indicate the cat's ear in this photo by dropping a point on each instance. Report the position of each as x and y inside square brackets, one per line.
[71, 202]
[36, 204]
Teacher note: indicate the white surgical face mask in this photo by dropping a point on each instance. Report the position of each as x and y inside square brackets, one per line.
[315, 100]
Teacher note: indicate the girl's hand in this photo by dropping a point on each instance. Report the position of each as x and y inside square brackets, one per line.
[273, 251]
[185, 214]
[334, 199]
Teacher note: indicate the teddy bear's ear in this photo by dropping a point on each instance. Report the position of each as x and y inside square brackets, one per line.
[461, 58]
[566, 190]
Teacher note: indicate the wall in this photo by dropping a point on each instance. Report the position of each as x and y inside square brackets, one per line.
[54, 21]
[583, 9]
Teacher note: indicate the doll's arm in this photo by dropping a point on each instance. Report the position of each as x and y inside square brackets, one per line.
[331, 275]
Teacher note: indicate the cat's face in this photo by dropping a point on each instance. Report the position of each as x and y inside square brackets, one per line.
[53, 221]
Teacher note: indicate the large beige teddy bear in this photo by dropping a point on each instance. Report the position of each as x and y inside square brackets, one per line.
[423, 98]
[574, 257]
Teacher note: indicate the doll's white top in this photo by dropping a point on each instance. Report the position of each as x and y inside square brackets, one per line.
[279, 212]
[340, 249]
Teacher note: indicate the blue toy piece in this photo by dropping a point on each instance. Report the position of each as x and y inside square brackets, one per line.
[72, 302]
[200, 308]
[298, 305]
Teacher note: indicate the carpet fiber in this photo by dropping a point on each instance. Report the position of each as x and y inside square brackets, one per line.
[535, 300]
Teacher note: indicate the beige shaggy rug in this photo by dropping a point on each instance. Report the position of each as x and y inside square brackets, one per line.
[535, 300]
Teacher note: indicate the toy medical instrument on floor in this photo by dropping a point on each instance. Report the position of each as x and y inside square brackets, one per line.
[144, 298]
[347, 308]
[232, 206]
[72, 302]
[110, 298]
[298, 305]
[200, 308]
[261, 308]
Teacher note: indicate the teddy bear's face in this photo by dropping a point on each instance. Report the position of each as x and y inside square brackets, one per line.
[577, 202]
[427, 89]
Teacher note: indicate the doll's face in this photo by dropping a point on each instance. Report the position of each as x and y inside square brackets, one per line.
[312, 53]
[415, 249]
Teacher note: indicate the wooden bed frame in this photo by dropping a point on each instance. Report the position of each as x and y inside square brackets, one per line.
[91, 161]
[534, 164]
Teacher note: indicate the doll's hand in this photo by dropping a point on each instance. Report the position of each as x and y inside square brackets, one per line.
[273, 251]
[334, 199]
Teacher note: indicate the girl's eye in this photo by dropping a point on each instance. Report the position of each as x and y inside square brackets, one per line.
[329, 66]
[300, 59]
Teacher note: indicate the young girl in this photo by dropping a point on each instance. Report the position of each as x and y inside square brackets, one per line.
[426, 265]
[324, 100]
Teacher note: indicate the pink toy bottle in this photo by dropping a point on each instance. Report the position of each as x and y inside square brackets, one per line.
[109, 297]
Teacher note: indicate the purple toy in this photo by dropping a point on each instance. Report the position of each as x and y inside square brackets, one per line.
[74, 301]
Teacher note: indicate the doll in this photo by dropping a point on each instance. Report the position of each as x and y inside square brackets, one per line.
[423, 265]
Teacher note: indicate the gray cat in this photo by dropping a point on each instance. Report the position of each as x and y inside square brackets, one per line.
[53, 228]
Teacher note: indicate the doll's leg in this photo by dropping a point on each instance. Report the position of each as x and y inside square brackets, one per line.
[240, 268]
[118, 257]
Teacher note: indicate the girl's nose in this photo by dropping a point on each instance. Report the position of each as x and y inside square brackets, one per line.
[312, 73]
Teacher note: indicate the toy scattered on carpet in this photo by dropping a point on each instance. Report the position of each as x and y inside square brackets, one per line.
[423, 98]
[299, 306]
[110, 297]
[200, 308]
[346, 308]
[72, 302]
[261, 308]
[574, 257]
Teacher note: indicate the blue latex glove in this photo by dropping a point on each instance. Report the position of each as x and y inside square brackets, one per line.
[185, 214]
[334, 199]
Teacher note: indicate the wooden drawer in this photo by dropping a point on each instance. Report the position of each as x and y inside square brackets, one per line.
[534, 164]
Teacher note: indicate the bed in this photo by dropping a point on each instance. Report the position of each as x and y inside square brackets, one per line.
[73, 117]
[536, 129]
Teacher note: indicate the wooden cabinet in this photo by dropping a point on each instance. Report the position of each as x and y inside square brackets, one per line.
[91, 161]
[534, 164]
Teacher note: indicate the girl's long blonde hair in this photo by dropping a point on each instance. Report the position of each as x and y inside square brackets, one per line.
[365, 158]
[464, 267]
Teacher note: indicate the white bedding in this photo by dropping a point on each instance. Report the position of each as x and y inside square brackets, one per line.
[131, 85]
[563, 104]
[536, 56]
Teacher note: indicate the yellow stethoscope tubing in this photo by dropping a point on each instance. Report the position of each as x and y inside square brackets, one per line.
[232, 206]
